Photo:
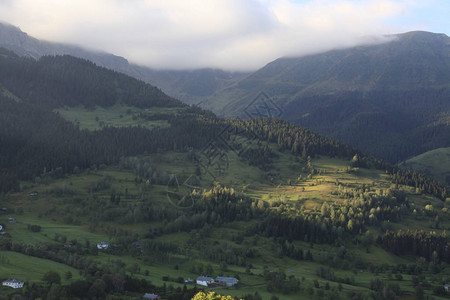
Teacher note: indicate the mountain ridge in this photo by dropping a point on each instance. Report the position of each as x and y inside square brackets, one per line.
[264, 200]
[388, 99]
[185, 85]
[354, 94]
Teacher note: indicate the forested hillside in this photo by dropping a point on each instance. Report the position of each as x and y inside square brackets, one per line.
[37, 139]
[190, 86]
[110, 189]
[390, 99]
[55, 81]
[435, 163]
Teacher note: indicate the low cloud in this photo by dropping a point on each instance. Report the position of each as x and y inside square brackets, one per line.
[227, 34]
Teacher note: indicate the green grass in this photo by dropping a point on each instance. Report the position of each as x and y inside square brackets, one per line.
[31, 269]
[115, 116]
[435, 163]
[20, 233]
[49, 210]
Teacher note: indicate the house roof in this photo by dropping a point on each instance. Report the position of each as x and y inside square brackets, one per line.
[227, 279]
[205, 278]
[13, 281]
[150, 296]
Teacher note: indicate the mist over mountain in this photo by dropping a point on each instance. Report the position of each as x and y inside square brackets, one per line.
[391, 100]
[388, 99]
[109, 188]
[185, 85]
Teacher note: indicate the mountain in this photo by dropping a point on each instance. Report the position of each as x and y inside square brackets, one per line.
[190, 86]
[389, 99]
[13, 39]
[40, 81]
[34, 137]
[110, 189]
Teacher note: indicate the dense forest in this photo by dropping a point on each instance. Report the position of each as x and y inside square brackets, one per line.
[55, 81]
[39, 146]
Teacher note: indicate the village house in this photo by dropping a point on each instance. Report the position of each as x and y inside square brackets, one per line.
[4, 234]
[12, 220]
[68, 245]
[204, 280]
[102, 245]
[151, 296]
[447, 288]
[226, 281]
[14, 283]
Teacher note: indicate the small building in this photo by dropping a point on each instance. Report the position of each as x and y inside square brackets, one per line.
[189, 280]
[102, 245]
[226, 281]
[151, 296]
[3, 210]
[204, 280]
[33, 194]
[14, 283]
[447, 288]
[68, 245]
[12, 220]
[4, 234]
[1, 227]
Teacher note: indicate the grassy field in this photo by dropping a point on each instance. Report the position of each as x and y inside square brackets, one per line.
[435, 163]
[30, 269]
[115, 116]
[286, 182]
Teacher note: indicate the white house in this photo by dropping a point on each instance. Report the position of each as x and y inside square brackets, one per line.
[447, 288]
[102, 245]
[205, 281]
[14, 283]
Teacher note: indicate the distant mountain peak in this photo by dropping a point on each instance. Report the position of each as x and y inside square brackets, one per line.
[14, 39]
[420, 37]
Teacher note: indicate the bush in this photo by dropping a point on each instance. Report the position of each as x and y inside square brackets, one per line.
[52, 277]
[34, 228]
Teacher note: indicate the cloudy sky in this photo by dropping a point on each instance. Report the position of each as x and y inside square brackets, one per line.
[227, 34]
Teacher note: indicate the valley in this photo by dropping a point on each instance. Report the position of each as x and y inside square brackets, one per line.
[111, 189]
[131, 205]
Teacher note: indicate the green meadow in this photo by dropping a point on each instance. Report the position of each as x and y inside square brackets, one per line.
[111, 204]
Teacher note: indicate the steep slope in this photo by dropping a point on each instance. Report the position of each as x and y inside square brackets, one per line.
[435, 163]
[389, 99]
[190, 86]
[37, 95]
[13, 39]
[291, 213]
[65, 80]
[34, 138]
